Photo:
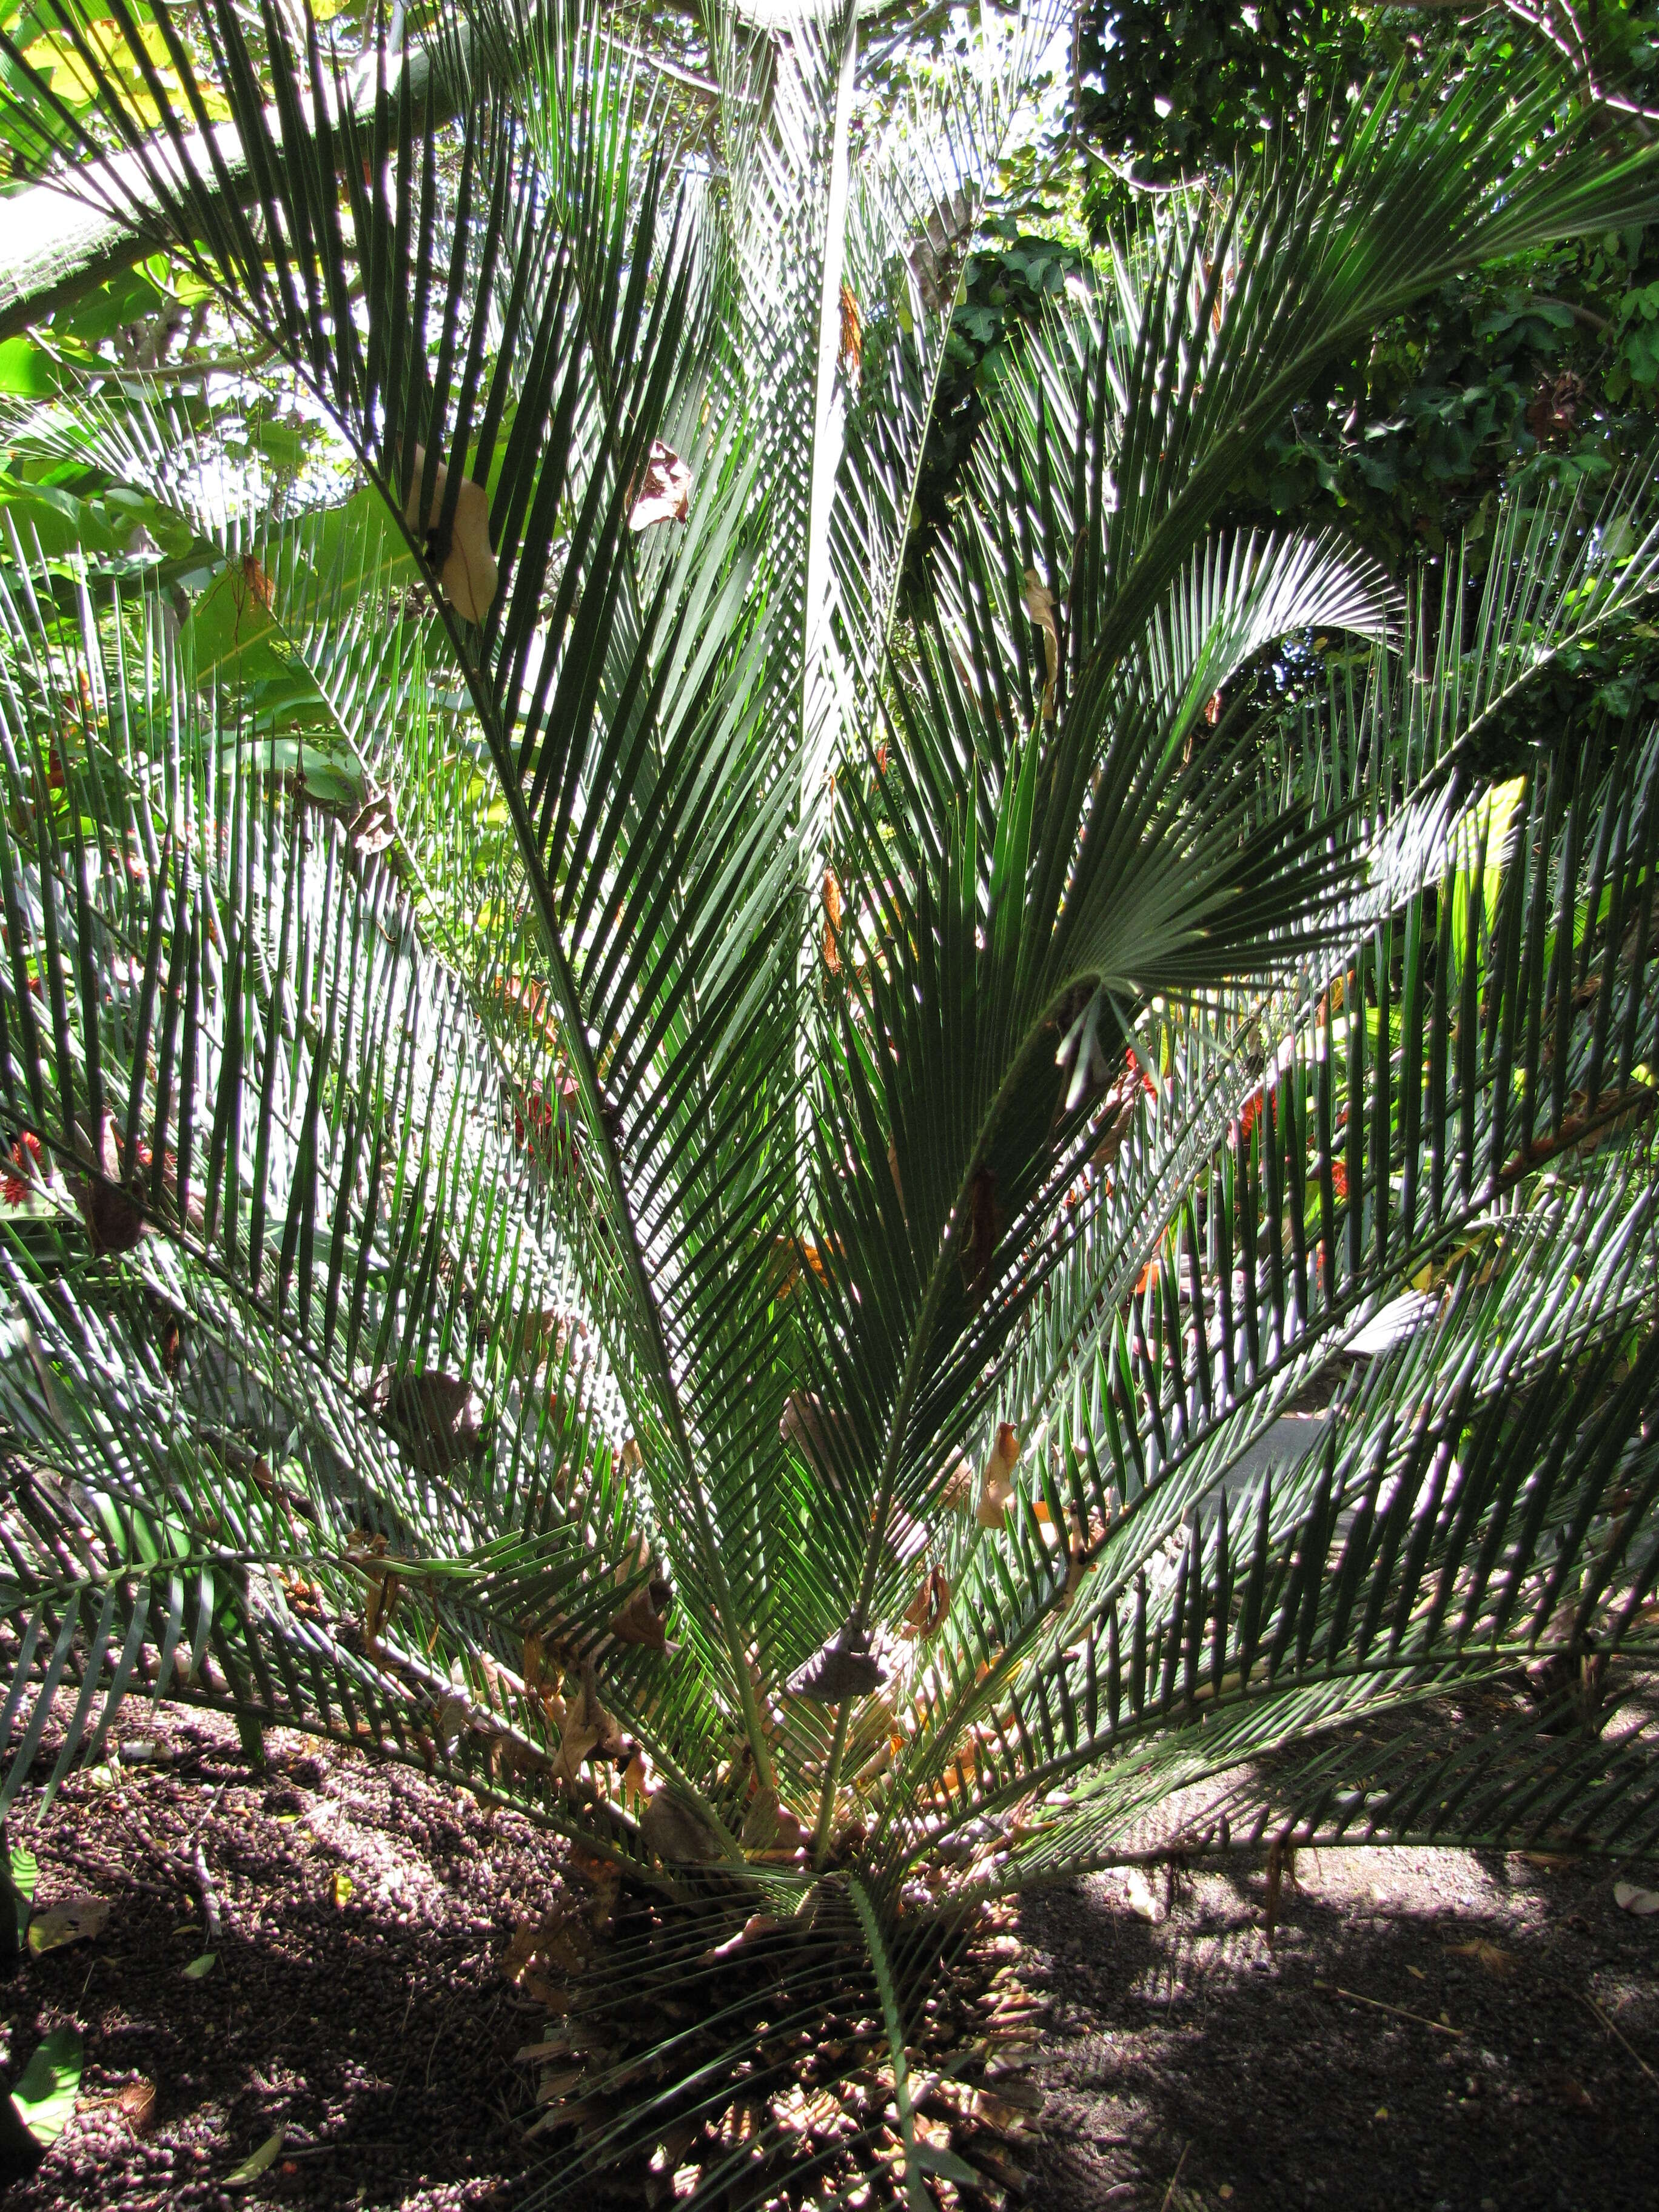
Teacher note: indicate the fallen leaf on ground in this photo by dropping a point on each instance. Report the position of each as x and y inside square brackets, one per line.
[993, 2111]
[77, 1919]
[554, 2089]
[340, 1888]
[1145, 1901]
[1630, 1898]
[201, 1966]
[542, 1954]
[46, 2091]
[135, 2103]
[520, 1950]
[756, 1925]
[1491, 1956]
[251, 2168]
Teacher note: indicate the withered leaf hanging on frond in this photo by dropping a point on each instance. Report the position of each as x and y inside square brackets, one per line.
[982, 1235]
[664, 492]
[463, 557]
[677, 1832]
[843, 1667]
[257, 584]
[818, 1432]
[590, 1731]
[641, 1618]
[437, 1417]
[850, 355]
[113, 1222]
[374, 828]
[930, 1604]
[996, 1487]
[832, 915]
[1040, 606]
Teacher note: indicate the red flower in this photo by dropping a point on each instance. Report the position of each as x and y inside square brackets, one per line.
[535, 1118]
[1339, 1178]
[1135, 1072]
[1250, 1114]
[25, 1154]
[540, 1121]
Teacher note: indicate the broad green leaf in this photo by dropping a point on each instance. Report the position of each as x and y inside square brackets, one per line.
[46, 2091]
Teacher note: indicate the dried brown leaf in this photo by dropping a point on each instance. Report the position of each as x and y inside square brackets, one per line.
[466, 564]
[841, 1667]
[664, 492]
[135, 2102]
[1040, 606]
[756, 1925]
[817, 1432]
[72, 1920]
[1491, 1956]
[677, 1832]
[930, 1604]
[984, 1231]
[437, 1417]
[996, 1487]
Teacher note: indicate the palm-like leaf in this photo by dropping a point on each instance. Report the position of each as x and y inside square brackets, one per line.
[898, 1041]
[277, 1220]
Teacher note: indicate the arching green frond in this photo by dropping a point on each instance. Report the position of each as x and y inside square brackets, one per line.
[822, 1234]
[1460, 1508]
[285, 1288]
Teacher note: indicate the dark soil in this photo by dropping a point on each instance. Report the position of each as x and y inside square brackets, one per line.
[1193, 2049]
[376, 2030]
[1185, 2064]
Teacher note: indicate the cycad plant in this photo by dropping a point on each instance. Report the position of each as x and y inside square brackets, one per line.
[863, 1228]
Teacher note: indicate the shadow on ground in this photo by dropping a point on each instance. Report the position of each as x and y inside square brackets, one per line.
[1428, 2029]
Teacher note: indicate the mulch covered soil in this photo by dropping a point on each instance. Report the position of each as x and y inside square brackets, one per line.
[355, 2001]
[356, 2004]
